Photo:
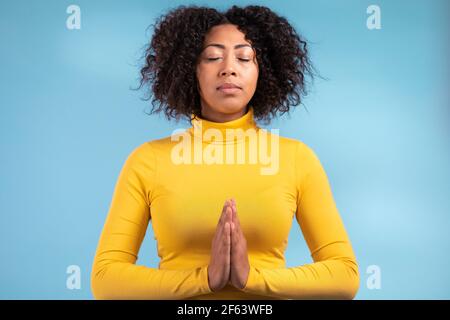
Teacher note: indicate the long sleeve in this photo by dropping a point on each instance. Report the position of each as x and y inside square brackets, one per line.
[334, 273]
[114, 273]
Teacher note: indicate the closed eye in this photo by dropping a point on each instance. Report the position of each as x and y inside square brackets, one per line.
[211, 59]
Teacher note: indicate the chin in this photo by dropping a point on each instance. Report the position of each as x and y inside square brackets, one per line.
[231, 109]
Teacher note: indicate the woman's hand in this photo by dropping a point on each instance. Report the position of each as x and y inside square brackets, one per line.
[219, 265]
[240, 266]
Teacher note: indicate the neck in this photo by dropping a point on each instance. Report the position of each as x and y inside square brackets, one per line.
[223, 132]
[220, 117]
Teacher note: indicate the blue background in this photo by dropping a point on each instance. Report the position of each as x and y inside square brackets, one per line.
[380, 125]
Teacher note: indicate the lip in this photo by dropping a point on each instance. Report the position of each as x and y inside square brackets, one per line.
[229, 88]
[228, 85]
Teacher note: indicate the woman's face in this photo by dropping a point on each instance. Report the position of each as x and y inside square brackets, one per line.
[226, 58]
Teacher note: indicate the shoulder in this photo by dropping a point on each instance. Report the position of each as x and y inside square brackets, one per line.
[293, 147]
[150, 147]
[302, 154]
[298, 148]
[151, 150]
[142, 155]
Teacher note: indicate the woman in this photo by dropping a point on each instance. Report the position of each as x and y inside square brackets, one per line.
[222, 195]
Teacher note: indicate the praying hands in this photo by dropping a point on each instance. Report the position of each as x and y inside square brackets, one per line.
[229, 258]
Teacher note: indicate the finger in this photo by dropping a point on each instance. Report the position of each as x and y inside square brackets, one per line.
[225, 206]
[233, 204]
[223, 233]
[227, 241]
[219, 232]
[238, 224]
[228, 215]
[233, 217]
[227, 232]
[234, 237]
[234, 211]
[238, 228]
[224, 221]
[222, 215]
[221, 245]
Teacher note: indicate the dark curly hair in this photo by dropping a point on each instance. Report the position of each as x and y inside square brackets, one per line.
[172, 54]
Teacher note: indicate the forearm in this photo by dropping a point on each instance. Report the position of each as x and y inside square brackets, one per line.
[330, 279]
[124, 280]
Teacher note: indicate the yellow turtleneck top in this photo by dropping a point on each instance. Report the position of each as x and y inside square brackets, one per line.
[180, 183]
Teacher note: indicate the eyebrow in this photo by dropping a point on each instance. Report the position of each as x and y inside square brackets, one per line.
[221, 46]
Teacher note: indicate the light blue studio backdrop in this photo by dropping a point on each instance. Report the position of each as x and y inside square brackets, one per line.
[379, 124]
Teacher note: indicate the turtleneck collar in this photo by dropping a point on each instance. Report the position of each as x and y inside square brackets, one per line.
[200, 126]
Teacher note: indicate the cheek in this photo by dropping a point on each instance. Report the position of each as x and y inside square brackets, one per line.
[253, 78]
[204, 75]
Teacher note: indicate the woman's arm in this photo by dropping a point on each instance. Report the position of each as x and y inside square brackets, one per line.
[114, 272]
[334, 273]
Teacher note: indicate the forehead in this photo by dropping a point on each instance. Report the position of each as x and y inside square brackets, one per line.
[225, 36]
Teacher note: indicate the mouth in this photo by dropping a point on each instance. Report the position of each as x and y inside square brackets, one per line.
[229, 88]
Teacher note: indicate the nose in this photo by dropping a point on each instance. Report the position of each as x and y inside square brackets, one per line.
[228, 68]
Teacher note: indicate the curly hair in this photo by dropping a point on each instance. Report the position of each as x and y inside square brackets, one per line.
[172, 54]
